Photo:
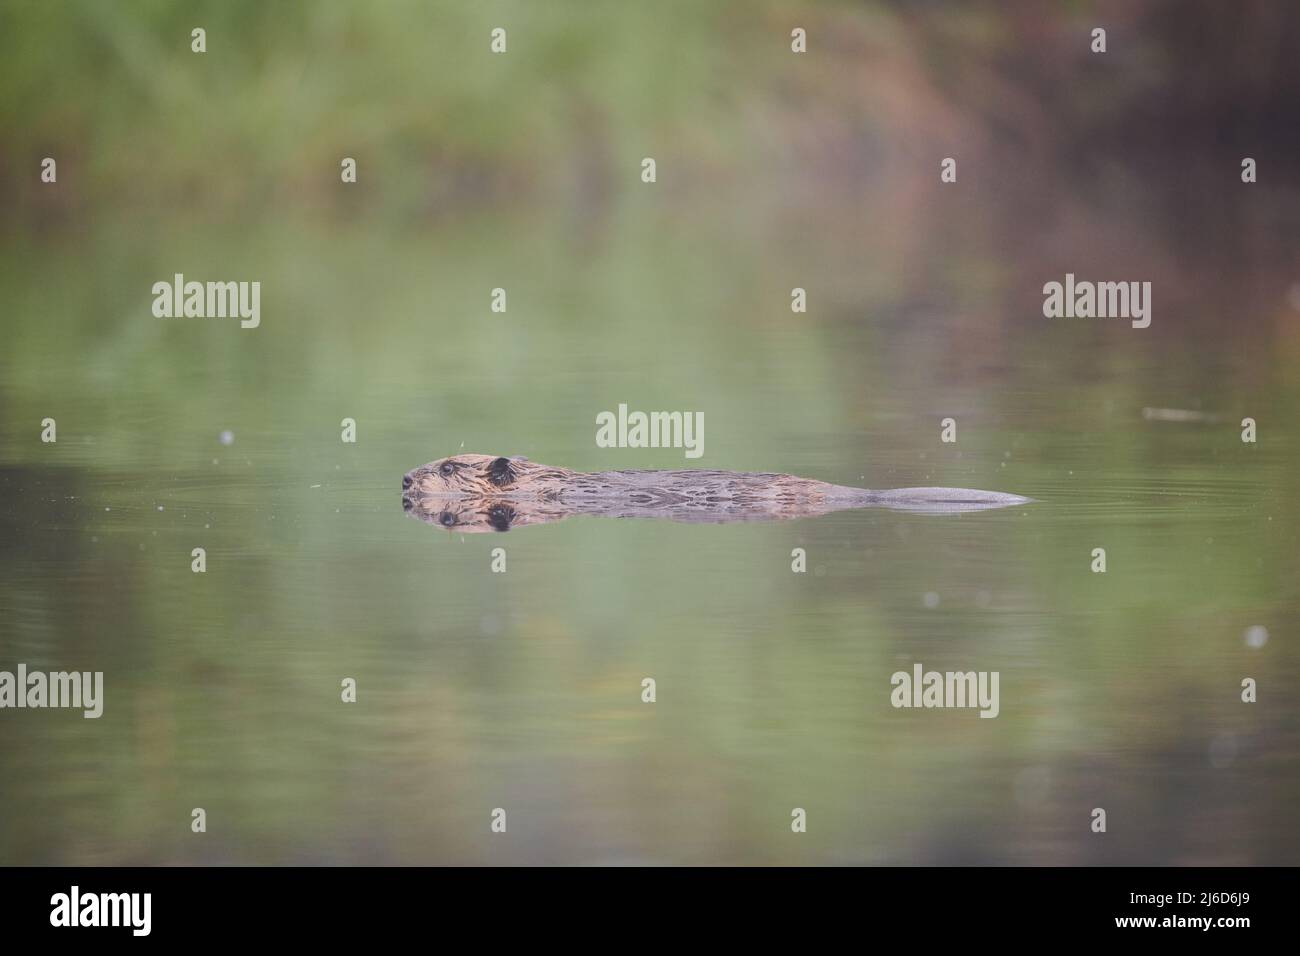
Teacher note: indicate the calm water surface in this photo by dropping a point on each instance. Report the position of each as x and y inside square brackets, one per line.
[522, 690]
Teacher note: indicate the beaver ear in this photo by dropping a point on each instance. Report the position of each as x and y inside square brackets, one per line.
[500, 473]
[500, 517]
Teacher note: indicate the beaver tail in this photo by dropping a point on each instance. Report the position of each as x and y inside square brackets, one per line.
[944, 500]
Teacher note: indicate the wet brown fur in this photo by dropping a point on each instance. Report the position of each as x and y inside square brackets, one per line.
[488, 475]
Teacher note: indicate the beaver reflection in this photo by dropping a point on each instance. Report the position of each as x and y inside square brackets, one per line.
[473, 515]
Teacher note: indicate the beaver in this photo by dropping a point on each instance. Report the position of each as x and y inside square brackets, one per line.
[487, 492]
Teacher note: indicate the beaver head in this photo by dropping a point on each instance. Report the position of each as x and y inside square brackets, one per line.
[465, 475]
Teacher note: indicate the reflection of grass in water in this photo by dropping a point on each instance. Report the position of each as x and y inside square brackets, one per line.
[772, 686]
[418, 358]
[771, 676]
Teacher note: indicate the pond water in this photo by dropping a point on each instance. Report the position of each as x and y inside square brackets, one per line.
[522, 690]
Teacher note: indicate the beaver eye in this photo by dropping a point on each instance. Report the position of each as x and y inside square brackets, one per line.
[447, 519]
[447, 468]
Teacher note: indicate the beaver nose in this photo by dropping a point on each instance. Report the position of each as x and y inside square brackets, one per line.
[406, 482]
